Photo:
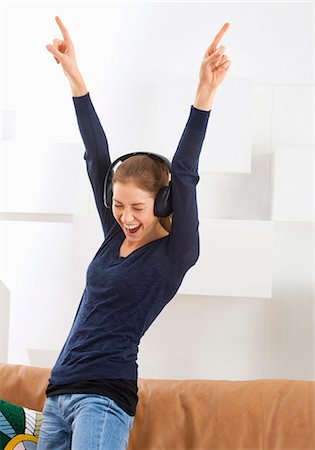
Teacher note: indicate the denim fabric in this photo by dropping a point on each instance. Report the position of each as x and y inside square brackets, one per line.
[83, 421]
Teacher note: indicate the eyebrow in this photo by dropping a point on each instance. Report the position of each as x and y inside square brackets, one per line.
[133, 204]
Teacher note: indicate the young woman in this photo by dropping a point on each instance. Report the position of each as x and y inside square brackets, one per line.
[150, 242]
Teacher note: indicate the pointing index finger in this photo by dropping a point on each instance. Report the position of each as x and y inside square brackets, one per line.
[219, 35]
[212, 47]
[63, 29]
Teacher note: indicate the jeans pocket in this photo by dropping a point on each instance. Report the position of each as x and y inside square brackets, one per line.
[128, 420]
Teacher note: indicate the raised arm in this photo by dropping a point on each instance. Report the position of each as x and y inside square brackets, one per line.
[96, 146]
[184, 235]
[96, 156]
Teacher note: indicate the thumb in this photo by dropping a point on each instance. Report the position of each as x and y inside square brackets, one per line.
[56, 53]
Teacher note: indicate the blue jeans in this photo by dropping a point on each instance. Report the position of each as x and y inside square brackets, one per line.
[83, 421]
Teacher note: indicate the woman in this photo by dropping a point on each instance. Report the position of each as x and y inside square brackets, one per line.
[92, 392]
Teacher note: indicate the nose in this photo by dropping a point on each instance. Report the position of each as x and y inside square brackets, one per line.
[127, 216]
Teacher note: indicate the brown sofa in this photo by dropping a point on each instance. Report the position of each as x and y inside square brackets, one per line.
[198, 414]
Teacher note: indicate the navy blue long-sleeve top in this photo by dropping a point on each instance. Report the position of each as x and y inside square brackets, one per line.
[124, 295]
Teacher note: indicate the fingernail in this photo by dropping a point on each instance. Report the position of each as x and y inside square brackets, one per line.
[48, 47]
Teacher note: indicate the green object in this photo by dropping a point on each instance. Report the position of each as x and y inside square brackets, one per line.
[19, 427]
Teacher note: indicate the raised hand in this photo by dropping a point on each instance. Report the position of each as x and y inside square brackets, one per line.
[215, 64]
[63, 51]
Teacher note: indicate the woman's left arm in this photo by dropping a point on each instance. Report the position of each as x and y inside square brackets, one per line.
[184, 235]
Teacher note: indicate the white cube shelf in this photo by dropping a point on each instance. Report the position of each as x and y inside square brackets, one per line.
[5, 298]
[156, 127]
[292, 178]
[228, 142]
[41, 178]
[293, 113]
[36, 268]
[235, 260]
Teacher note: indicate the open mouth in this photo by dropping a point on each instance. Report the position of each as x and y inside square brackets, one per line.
[133, 231]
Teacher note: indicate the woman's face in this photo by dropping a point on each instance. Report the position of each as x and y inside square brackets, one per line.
[132, 207]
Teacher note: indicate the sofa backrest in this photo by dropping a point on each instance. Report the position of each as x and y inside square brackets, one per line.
[198, 414]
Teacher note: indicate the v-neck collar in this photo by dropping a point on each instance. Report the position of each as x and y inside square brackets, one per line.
[136, 249]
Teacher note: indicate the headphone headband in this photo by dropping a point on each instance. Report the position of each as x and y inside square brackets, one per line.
[152, 155]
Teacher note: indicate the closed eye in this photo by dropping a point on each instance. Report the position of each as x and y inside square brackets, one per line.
[120, 206]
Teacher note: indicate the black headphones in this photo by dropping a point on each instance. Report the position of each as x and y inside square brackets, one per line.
[163, 200]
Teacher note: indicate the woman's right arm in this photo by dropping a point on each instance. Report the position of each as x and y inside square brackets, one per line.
[95, 141]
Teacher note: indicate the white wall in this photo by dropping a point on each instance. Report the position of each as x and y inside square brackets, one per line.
[246, 310]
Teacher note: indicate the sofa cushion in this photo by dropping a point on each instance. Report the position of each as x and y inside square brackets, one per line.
[18, 425]
[24, 385]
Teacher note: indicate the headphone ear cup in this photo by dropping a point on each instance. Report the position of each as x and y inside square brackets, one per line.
[163, 202]
[109, 195]
[108, 191]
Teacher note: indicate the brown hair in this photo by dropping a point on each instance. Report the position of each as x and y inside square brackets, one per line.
[147, 174]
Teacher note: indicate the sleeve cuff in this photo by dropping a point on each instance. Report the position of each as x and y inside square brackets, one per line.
[198, 118]
[82, 103]
[81, 98]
